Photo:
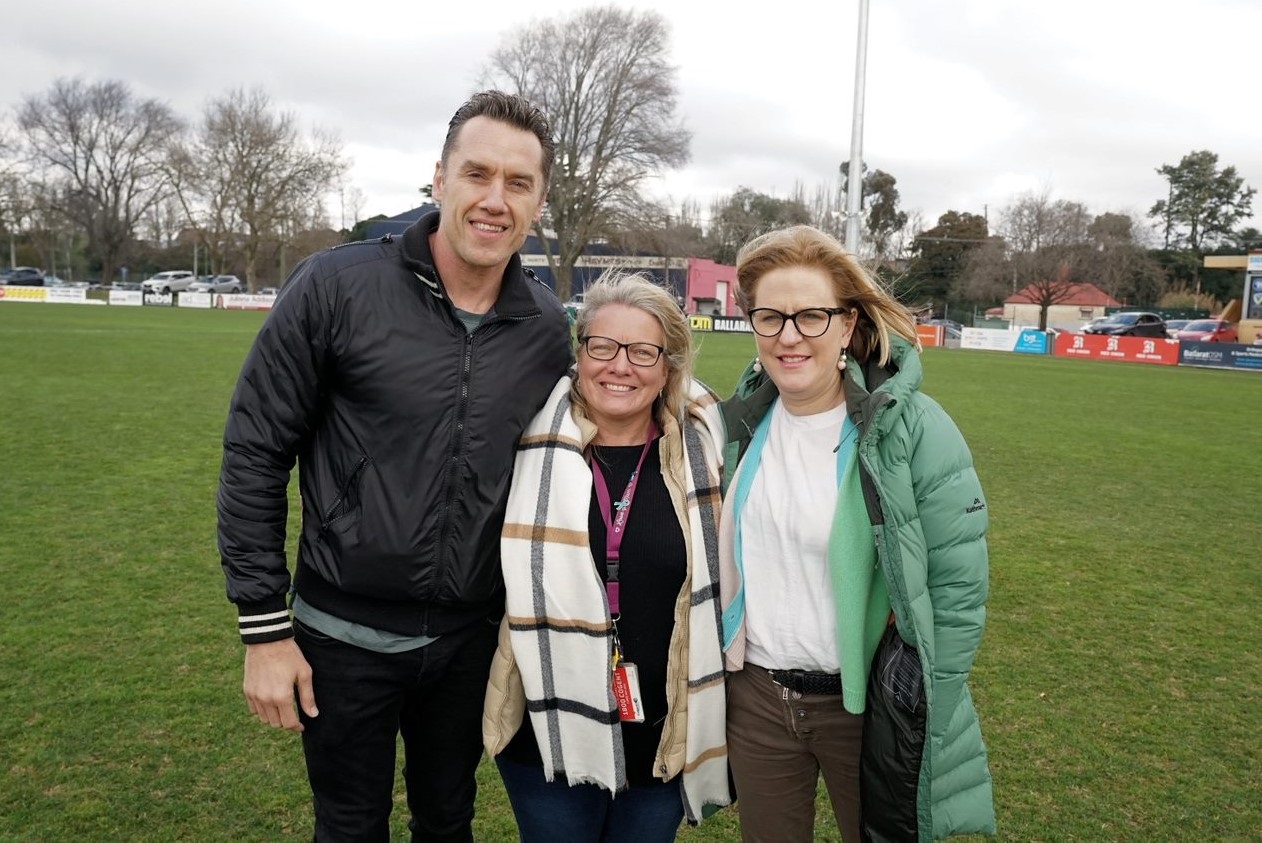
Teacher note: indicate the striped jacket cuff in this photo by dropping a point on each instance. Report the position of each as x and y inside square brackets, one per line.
[259, 623]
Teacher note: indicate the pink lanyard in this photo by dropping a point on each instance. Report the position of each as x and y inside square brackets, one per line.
[615, 514]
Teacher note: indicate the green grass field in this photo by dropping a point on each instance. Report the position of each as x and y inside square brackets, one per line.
[1119, 683]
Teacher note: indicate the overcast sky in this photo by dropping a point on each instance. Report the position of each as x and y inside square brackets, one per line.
[968, 103]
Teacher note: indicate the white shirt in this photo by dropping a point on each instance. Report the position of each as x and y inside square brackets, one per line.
[790, 611]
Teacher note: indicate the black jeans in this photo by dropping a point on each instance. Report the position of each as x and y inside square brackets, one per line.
[433, 696]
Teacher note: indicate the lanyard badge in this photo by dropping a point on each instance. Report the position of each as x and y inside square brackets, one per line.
[626, 690]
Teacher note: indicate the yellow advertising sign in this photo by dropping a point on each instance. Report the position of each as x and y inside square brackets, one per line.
[8, 293]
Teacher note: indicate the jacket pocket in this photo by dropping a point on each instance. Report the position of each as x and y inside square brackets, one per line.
[347, 500]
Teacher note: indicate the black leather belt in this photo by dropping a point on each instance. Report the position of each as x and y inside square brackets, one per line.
[807, 681]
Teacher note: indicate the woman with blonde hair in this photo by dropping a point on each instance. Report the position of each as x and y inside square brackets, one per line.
[853, 531]
[605, 711]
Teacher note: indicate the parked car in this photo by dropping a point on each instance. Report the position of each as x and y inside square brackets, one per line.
[171, 281]
[951, 330]
[1209, 330]
[1096, 321]
[269, 291]
[26, 276]
[1173, 326]
[54, 281]
[217, 284]
[127, 286]
[1133, 323]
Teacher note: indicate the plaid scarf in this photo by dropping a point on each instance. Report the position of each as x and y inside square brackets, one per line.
[562, 637]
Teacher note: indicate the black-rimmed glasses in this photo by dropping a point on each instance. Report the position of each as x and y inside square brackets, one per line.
[638, 353]
[810, 321]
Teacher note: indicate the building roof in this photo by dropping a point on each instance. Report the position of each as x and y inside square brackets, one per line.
[398, 223]
[1080, 294]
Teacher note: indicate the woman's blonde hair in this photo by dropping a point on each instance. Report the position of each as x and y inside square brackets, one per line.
[880, 315]
[641, 292]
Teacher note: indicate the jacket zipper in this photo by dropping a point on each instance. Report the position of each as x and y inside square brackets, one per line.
[458, 446]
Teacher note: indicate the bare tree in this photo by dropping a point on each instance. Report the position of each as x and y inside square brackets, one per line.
[103, 148]
[1044, 251]
[249, 178]
[827, 205]
[13, 201]
[1119, 264]
[602, 77]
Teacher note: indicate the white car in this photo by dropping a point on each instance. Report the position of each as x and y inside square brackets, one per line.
[217, 284]
[171, 281]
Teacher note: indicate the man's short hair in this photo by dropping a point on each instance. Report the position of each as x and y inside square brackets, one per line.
[513, 109]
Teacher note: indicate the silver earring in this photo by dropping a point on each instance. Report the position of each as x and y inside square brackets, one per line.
[757, 365]
[841, 361]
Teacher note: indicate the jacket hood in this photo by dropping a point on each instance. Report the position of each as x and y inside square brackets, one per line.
[875, 394]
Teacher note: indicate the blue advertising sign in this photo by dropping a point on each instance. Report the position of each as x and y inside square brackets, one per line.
[1031, 342]
[1221, 355]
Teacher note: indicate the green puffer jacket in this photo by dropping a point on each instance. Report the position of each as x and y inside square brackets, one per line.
[929, 522]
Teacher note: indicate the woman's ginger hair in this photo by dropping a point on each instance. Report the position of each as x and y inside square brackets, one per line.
[880, 314]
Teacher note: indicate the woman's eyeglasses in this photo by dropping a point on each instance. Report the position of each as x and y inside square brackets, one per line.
[810, 321]
[638, 353]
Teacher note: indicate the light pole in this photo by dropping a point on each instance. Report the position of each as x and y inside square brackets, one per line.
[854, 185]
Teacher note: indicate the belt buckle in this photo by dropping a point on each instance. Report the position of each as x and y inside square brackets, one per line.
[793, 679]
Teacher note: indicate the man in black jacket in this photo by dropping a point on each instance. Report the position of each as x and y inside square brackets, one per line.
[398, 374]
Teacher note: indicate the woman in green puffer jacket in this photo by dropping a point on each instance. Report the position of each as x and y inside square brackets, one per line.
[853, 564]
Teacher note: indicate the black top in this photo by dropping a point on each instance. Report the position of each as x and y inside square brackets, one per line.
[652, 570]
[403, 469]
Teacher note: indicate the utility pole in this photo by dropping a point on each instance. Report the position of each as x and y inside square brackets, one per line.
[854, 187]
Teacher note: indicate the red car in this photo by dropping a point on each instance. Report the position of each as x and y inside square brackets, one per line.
[1208, 330]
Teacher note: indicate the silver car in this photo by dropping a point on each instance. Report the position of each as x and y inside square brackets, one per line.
[171, 281]
[217, 284]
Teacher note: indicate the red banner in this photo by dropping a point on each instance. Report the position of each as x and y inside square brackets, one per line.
[1127, 349]
[930, 335]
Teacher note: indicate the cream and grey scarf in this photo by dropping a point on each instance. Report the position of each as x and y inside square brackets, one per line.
[558, 615]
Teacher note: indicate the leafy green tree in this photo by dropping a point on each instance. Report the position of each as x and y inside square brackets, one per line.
[742, 216]
[1245, 239]
[359, 231]
[1204, 203]
[879, 199]
[939, 256]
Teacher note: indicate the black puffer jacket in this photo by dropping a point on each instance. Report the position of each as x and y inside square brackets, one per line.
[404, 428]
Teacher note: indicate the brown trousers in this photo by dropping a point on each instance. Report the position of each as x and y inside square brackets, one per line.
[778, 742]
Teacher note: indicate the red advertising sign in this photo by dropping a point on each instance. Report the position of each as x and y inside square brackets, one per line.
[930, 335]
[1127, 349]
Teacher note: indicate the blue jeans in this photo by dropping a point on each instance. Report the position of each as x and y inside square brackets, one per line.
[554, 812]
[432, 696]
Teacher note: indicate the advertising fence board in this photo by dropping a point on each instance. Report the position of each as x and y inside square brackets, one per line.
[1163, 352]
[1221, 355]
[15, 293]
